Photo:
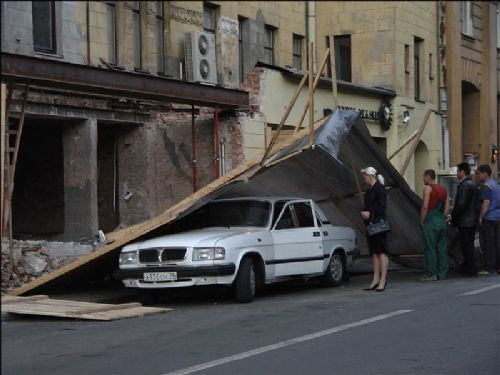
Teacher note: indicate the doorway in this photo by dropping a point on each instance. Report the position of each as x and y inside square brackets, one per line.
[38, 197]
[107, 177]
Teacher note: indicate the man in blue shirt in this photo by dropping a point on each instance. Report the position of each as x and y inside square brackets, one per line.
[489, 219]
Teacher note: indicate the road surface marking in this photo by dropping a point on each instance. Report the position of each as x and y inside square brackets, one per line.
[477, 291]
[285, 343]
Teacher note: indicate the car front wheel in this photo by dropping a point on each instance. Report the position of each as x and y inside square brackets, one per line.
[335, 271]
[245, 281]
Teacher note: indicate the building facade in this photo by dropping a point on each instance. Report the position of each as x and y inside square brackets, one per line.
[469, 43]
[100, 161]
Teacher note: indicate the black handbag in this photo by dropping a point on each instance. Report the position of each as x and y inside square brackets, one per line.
[380, 226]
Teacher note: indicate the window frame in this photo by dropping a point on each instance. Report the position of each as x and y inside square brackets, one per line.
[295, 55]
[467, 24]
[160, 35]
[137, 33]
[269, 49]
[498, 26]
[343, 71]
[418, 44]
[407, 59]
[241, 54]
[213, 9]
[53, 30]
[112, 33]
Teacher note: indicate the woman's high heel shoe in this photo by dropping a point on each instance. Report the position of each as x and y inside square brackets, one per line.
[374, 287]
[381, 289]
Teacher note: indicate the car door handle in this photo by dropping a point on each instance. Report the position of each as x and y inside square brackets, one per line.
[326, 233]
[316, 234]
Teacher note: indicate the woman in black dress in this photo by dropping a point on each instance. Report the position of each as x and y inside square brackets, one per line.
[374, 210]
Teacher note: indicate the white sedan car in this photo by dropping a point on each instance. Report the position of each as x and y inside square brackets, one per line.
[244, 243]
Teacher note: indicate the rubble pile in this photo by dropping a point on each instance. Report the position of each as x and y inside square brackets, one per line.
[30, 261]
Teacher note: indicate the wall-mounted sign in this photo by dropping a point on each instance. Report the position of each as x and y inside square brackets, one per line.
[228, 26]
[471, 158]
[366, 114]
[186, 15]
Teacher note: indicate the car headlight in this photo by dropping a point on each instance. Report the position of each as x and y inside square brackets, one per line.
[129, 257]
[208, 253]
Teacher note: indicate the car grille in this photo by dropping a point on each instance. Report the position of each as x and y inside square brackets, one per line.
[159, 255]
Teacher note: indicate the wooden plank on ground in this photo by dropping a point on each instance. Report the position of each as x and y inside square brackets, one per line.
[43, 306]
[15, 299]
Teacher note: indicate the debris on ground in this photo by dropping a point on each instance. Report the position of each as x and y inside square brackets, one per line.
[33, 259]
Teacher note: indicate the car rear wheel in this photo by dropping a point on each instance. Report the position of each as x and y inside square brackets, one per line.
[334, 274]
[245, 281]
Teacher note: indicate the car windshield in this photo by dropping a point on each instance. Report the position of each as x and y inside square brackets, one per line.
[236, 213]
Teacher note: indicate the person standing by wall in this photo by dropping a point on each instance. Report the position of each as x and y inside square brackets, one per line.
[462, 218]
[489, 220]
[373, 211]
[433, 213]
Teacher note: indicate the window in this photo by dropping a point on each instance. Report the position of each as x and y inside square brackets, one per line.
[286, 221]
[498, 26]
[269, 44]
[241, 22]
[417, 50]
[297, 51]
[467, 18]
[112, 50]
[407, 59]
[328, 66]
[209, 18]
[431, 67]
[304, 215]
[160, 38]
[342, 45]
[44, 26]
[136, 19]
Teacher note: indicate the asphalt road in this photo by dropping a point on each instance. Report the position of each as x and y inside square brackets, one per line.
[444, 327]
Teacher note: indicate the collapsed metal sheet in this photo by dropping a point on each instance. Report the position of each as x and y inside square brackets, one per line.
[326, 172]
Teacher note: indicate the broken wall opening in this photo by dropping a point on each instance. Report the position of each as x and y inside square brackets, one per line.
[38, 197]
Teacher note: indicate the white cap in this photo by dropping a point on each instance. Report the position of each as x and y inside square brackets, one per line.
[369, 170]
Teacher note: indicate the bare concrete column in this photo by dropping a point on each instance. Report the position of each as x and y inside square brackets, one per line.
[80, 179]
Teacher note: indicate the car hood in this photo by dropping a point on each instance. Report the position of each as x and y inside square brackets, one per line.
[201, 237]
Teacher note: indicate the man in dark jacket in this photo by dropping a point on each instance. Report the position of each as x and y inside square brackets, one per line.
[463, 218]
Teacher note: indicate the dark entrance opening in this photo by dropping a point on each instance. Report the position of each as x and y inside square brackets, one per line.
[107, 177]
[38, 198]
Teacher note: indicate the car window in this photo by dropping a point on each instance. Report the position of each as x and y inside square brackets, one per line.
[304, 214]
[278, 206]
[286, 221]
[318, 220]
[231, 213]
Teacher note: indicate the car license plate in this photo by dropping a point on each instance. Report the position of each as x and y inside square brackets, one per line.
[160, 276]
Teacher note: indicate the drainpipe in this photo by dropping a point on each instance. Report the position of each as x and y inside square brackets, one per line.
[311, 27]
[88, 31]
[442, 92]
[193, 148]
[216, 143]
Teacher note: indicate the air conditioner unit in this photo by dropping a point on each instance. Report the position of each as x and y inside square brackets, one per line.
[199, 51]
